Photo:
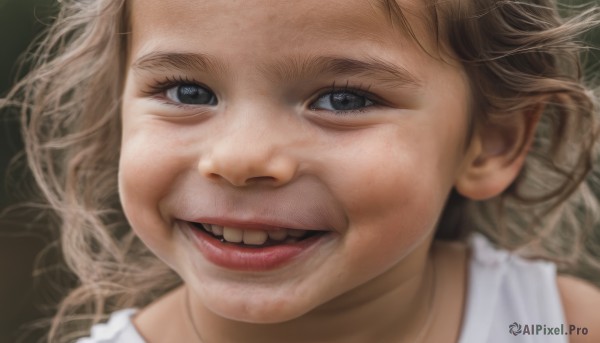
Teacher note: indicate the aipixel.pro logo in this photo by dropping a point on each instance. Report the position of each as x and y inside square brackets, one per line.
[516, 329]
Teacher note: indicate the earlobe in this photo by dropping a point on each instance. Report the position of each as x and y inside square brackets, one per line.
[496, 155]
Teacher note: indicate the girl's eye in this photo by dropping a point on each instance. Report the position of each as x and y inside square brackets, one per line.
[342, 101]
[190, 94]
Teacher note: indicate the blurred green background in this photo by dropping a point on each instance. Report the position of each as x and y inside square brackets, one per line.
[20, 21]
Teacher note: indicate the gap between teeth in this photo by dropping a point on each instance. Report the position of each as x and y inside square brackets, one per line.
[254, 237]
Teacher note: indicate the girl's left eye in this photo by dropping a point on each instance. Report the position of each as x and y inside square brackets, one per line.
[191, 94]
[342, 101]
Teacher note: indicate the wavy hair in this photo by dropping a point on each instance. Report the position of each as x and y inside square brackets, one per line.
[70, 122]
[517, 54]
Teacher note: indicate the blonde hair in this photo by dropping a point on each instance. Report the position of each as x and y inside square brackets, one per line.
[516, 54]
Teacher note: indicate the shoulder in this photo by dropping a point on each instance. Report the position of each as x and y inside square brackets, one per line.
[581, 301]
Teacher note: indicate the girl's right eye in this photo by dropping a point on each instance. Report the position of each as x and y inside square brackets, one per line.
[191, 94]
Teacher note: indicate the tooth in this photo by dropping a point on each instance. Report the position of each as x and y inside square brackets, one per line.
[255, 237]
[278, 235]
[232, 234]
[217, 230]
[296, 233]
[207, 227]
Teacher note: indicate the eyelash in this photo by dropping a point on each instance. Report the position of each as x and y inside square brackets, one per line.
[359, 90]
[160, 87]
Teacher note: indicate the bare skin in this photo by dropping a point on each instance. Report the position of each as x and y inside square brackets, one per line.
[580, 301]
[381, 171]
[442, 319]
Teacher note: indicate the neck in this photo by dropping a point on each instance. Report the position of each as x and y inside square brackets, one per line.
[395, 306]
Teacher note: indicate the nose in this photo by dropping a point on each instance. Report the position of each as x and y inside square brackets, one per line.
[247, 157]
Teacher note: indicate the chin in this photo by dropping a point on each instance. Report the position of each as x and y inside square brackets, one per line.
[258, 310]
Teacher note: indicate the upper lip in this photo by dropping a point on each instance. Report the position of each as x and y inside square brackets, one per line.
[302, 205]
[257, 223]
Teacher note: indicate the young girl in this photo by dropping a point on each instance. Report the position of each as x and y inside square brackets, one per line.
[315, 171]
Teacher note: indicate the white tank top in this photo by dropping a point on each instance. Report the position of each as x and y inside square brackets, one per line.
[507, 294]
[507, 299]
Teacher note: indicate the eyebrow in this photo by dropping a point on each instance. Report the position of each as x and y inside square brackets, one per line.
[181, 61]
[385, 72]
[296, 68]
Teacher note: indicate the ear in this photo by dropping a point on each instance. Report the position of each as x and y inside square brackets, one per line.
[496, 155]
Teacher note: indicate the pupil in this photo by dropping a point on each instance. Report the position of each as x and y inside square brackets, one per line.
[347, 101]
[192, 94]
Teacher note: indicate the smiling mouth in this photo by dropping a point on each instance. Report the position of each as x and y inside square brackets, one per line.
[255, 238]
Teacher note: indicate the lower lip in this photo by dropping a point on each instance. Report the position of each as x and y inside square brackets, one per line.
[237, 257]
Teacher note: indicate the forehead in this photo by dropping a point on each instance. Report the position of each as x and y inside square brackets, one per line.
[270, 25]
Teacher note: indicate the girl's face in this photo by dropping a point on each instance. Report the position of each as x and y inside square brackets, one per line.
[309, 115]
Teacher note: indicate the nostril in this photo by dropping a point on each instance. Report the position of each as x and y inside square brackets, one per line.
[257, 179]
[239, 182]
[244, 171]
[214, 176]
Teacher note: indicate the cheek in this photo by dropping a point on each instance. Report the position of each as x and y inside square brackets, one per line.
[147, 170]
[394, 193]
[398, 211]
[389, 176]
